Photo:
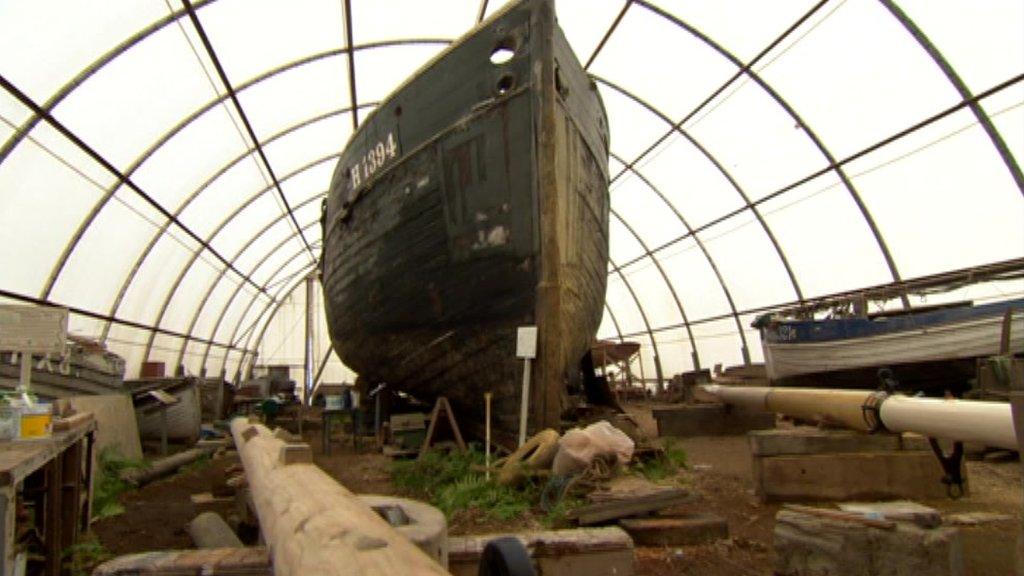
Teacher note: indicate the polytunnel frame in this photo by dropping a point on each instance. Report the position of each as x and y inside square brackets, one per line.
[43, 112]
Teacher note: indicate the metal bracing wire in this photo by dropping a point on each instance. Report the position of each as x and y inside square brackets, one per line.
[106, 318]
[167, 136]
[227, 305]
[481, 12]
[746, 69]
[86, 73]
[720, 168]
[194, 17]
[121, 178]
[643, 316]
[238, 253]
[286, 288]
[668, 284]
[970, 275]
[141, 259]
[965, 93]
[213, 234]
[842, 162]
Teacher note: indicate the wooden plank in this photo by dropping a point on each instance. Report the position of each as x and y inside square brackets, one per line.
[632, 506]
[842, 516]
[212, 562]
[681, 531]
[71, 422]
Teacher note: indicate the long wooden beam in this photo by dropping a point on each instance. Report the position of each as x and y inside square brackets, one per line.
[311, 523]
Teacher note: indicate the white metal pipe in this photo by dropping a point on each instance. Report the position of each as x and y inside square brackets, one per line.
[988, 423]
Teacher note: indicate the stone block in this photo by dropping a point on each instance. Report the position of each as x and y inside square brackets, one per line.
[808, 545]
[710, 420]
[848, 476]
[681, 531]
[604, 551]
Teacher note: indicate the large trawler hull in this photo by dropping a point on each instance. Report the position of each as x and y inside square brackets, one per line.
[474, 201]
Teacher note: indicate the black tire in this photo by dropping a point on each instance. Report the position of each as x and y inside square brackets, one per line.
[505, 556]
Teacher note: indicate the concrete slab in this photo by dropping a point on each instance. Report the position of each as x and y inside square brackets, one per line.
[809, 545]
[848, 476]
[604, 551]
[688, 420]
[680, 531]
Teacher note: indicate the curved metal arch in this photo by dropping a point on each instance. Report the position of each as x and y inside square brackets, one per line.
[238, 254]
[217, 230]
[286, 289]
[848, 159]
[643, 316]
[202, 187]
[672, 290]
[721, 169]
[961, 87]
[615, 321]
[747, 69]
[188, 120]
[227, 305]
[707, 255]
[15, 139]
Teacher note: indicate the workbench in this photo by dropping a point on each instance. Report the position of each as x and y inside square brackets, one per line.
[55, 473]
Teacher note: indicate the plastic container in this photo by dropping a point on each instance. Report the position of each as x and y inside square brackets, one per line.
[36, 420]
[10, 422]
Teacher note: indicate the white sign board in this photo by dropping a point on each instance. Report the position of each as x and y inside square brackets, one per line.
[36, 329]
[526, 342]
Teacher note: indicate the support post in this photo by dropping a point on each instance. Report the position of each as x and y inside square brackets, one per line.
[524, 405]
[487, 434]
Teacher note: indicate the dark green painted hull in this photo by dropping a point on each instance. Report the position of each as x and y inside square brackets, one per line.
[434, 226]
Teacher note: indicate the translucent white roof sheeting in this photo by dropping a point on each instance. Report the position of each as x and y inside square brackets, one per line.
[162, 162]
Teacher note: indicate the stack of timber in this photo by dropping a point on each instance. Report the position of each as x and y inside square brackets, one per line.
[310, 522]
[85, 367]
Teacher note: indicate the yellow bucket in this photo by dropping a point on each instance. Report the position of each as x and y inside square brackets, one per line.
[35, 423]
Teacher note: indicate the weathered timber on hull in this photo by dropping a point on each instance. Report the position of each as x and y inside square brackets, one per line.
[471, 202]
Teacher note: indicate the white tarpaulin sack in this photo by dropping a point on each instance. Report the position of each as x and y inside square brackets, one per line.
[579, 447]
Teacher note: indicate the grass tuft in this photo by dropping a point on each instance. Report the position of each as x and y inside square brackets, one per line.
[109, 486]
[454, 482]
[665, 465]
[80, 558]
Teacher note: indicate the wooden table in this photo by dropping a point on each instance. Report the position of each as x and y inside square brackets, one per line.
[56, 473]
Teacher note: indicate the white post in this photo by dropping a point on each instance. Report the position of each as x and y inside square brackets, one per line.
[524, 402]
[25, 380]
[487, 434]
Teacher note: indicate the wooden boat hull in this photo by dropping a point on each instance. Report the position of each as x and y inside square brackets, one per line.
[474, 201]
[931, 350]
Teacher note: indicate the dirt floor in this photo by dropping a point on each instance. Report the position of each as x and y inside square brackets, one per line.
[718, 473]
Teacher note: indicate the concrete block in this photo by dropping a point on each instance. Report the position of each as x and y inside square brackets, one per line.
[807, 545]
[809, 440]
[682, 531]
[604, 551]
[848, 476]
[710, 420]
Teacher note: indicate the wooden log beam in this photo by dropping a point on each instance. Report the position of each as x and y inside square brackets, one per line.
[312, 524]
[164, 466]
[209, 530]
